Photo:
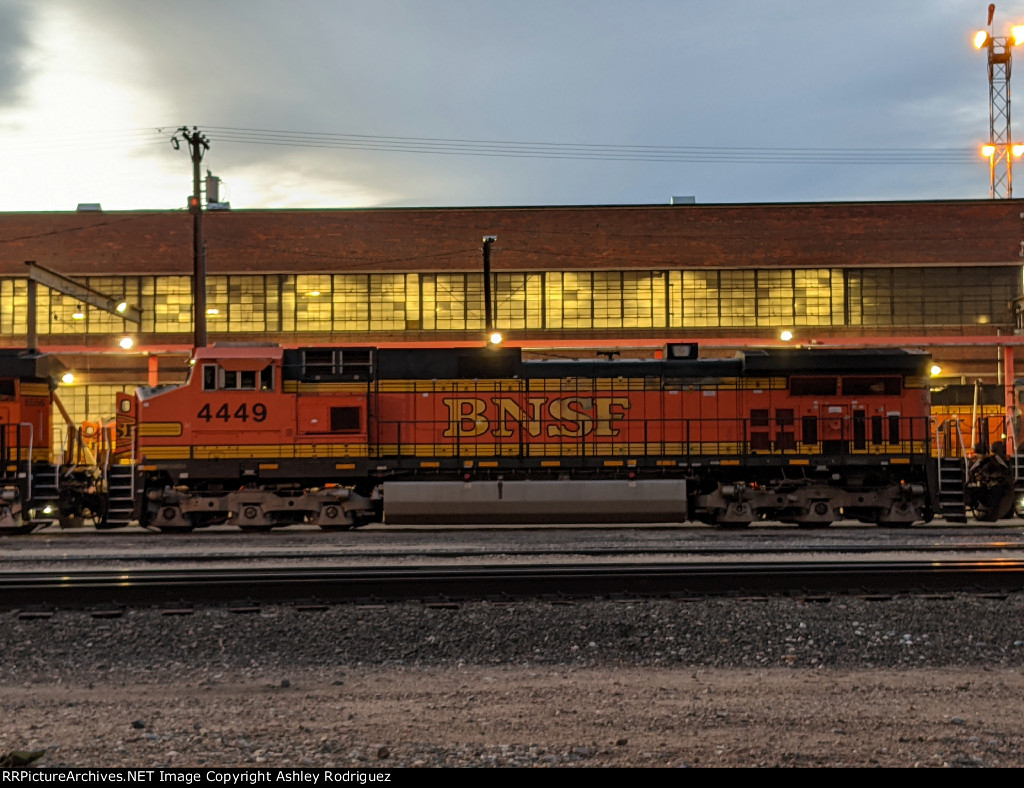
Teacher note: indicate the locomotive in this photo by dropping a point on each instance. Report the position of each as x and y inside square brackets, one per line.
[34, 488]
[261, 436]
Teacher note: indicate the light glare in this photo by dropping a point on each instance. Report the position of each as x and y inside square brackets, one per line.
[126, 343]
[980, 39]
[936, 370]
[988, 151]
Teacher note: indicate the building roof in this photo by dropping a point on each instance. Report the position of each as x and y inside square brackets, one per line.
[785, 235]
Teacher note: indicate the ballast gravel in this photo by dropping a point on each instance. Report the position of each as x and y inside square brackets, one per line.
[721, 682]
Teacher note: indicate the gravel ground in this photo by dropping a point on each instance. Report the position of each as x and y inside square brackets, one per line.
[909, 681]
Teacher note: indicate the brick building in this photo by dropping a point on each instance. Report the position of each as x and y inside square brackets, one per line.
[943, 275]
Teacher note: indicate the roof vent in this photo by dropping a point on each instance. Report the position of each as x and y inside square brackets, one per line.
[218, 206]
[689, 200]
[86, 207]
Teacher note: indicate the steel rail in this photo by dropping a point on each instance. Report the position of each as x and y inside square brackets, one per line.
[147, 587]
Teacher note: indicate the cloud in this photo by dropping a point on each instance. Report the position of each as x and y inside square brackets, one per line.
[15, 22]
[736, 73]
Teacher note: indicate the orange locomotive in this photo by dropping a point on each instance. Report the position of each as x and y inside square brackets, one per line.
[40, 482]
[262, 437]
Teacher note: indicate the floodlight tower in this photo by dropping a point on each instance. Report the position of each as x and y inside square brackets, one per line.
[1000, 149]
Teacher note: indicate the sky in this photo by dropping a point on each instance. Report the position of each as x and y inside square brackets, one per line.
[406, 103]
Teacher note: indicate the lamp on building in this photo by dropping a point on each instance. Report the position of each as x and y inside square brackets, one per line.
[935, 370]
[786, 335]
[126, 343]
[67, 378]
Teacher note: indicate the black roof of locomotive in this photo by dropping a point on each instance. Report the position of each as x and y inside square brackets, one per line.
[836, 361]
[507, 362]
[964, 394]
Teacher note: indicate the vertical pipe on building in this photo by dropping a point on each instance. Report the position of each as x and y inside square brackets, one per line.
[1009, 399]
[154, 370]
[31, 335]
[488, 316]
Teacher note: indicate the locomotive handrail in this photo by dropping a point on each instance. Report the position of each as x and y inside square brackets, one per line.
[1012, 436]
[911, 436]
[953, 425]
[28, 464]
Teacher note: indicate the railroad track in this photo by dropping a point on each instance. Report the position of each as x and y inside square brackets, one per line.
[234, 585]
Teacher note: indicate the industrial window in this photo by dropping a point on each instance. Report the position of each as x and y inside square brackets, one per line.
[243, 304]
[569, 300]
[453, 302]
[58, 313]
[643, 299]
[350, 296]
[606, 299]
[774, 298]
[313, 303]
[166, 304]
[518, 301]
[817, 297]
[389, 306]
[700, 299]
[737, 307]
[14, 306]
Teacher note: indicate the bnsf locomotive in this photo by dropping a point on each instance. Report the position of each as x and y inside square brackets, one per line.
[260, 437]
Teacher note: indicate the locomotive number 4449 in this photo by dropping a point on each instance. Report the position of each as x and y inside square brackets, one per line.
[258, 412]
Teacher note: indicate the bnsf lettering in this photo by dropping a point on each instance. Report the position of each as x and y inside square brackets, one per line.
[564, 417]
[258, 412]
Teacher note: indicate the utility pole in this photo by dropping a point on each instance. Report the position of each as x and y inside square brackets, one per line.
[197, 145]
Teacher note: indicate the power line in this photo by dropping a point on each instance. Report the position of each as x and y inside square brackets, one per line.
[551, 150]
[696, 154]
